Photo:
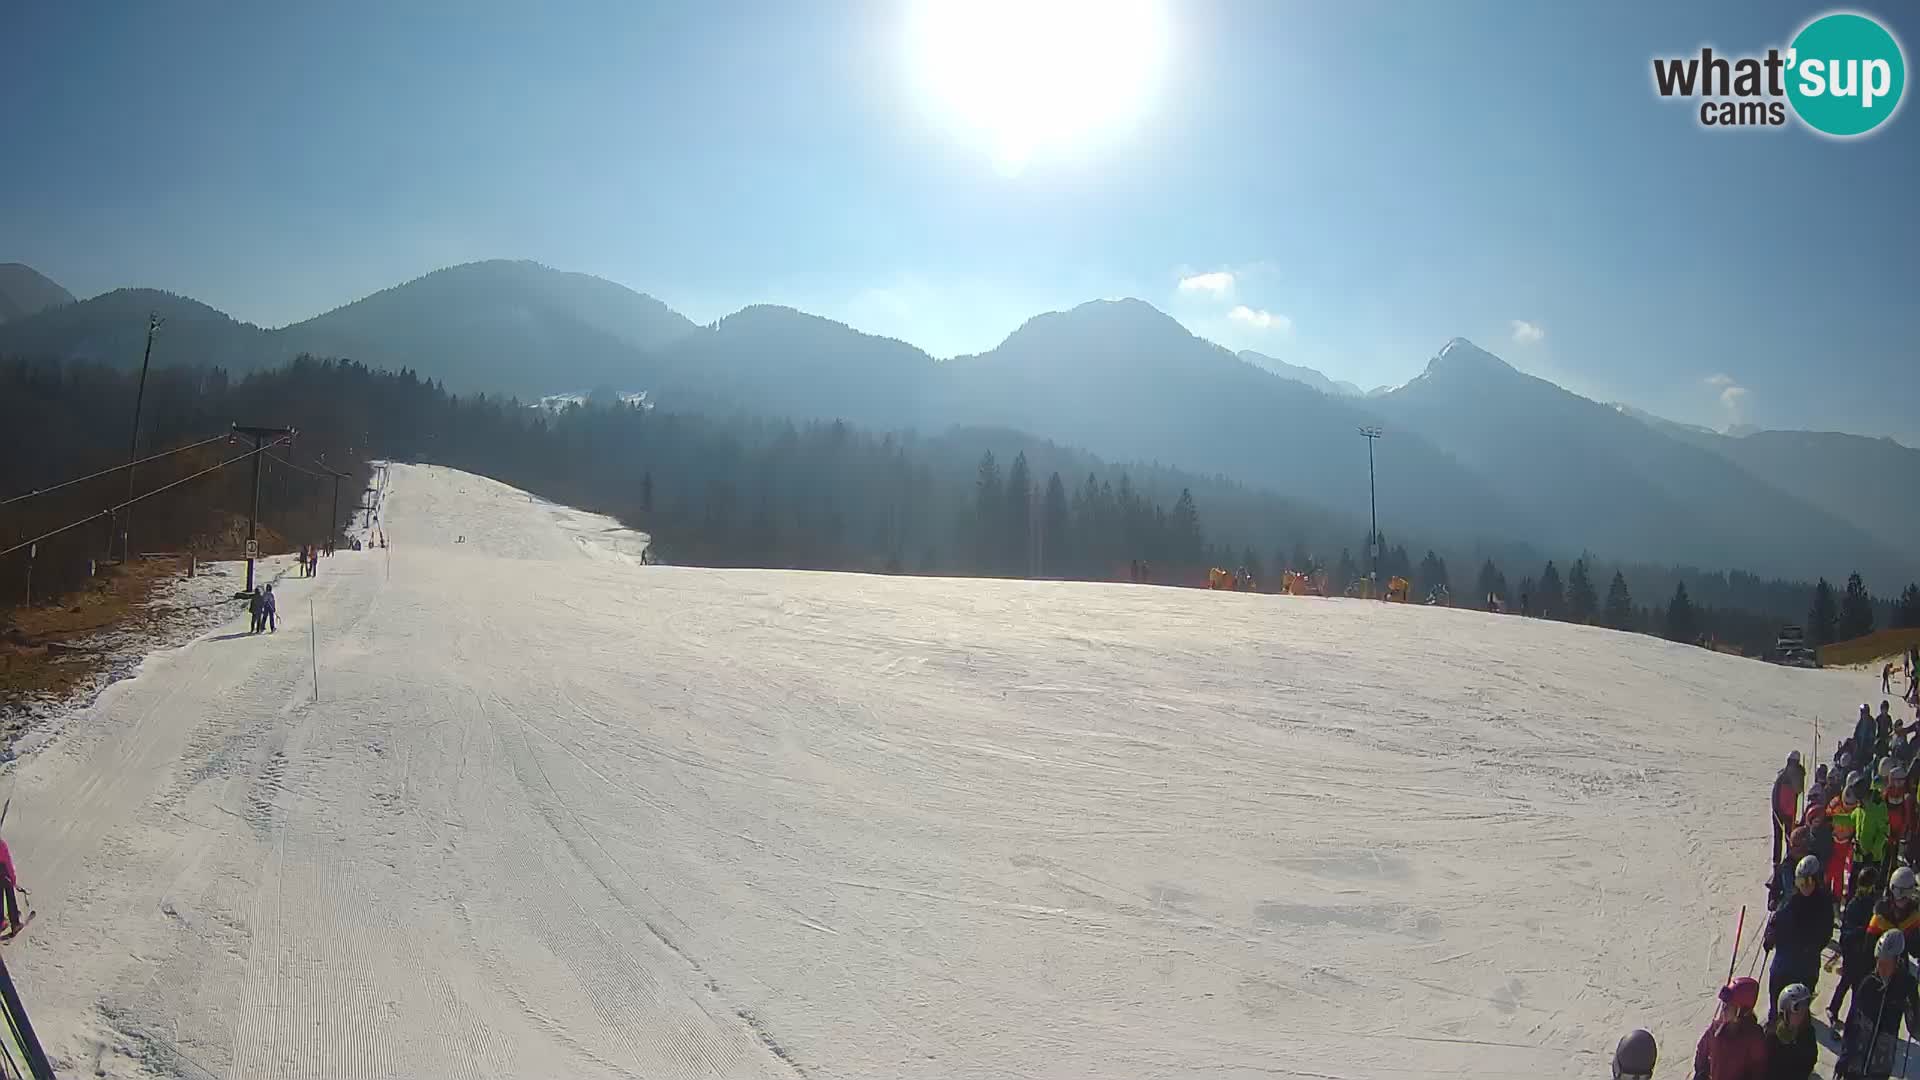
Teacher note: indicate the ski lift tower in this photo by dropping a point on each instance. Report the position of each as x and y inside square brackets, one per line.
[1372, 434]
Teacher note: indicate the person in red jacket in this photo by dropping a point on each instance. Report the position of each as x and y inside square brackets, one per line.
[1734, 1046]
[1786, 801]
[10, 921]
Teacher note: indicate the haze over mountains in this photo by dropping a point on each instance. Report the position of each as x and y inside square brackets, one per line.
[1474, 448]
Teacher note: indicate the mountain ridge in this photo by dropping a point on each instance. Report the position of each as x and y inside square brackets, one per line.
[1475, 448]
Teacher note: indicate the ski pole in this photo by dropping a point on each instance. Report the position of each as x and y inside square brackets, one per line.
[1738, 928]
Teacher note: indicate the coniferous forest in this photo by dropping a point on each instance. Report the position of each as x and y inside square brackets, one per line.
[763, 492]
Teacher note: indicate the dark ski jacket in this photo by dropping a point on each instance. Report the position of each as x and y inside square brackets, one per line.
[255, 603]
[1855, 941]
[1864, 732]
[1791, 1056]
[1800, 930]
[1880, 1005]
[1734, 1050]
[268, 604]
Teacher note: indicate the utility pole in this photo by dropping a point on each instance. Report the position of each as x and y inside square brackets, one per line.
[258, 435]
[1373, 509]
[333, 524]
[133, 446]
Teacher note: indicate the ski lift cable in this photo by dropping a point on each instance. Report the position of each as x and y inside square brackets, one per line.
[96, 515]
[115, 469]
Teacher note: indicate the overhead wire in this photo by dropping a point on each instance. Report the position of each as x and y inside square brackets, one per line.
[96, 515]
[115, 469]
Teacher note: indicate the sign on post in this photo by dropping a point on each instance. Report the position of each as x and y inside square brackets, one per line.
[253, 549]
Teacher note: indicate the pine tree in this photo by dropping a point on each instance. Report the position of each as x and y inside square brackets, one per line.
[1549, 598]
[1528, 606]
[1187, 540]
[1581, 601]
[1491, 583]
[1619, 610]
[1856, 610]
[1017, 522]
[1823, 619]
[1906, 612]
[1682, 624]
[1055, 530]
[1433, 574]
[989, 503]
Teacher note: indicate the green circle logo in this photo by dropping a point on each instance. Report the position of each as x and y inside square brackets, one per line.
[1845, 74]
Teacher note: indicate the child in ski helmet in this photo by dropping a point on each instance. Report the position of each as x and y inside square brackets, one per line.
[1734, 1044]
[1899, 912]
[1634, 1057]
[1792, 1049]
[1840, 813]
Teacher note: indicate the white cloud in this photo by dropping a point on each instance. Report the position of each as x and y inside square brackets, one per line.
[1260, 320]
[1526, 333]
[1217, 283]
[1733, 397]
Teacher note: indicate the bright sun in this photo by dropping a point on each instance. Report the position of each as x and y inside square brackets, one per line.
[1027, 76]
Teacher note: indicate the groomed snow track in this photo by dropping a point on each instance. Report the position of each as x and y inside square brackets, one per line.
[556, 813]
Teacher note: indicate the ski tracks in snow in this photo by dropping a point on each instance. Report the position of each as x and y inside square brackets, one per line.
[559, 813]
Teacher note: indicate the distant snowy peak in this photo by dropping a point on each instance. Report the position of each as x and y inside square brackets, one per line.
[1460, 354]
[555, 403]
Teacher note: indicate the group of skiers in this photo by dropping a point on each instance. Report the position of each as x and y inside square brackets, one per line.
[310, 558]
[264, 609]
[1844, 844]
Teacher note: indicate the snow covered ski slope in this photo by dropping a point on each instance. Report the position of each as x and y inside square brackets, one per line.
[557, 813]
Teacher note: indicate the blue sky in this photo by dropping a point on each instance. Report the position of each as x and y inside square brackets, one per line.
[1375, 178]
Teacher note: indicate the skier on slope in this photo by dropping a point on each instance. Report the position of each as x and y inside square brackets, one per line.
[1787, 786]
[10, 918]
[256, 604]
[1734, 1047]
[268, 609]
[1798, 933]
[1856, 944]
[1883, 729]
[1635, 1055]
[1886, 997]
[1886, 678]
[1791, 1046]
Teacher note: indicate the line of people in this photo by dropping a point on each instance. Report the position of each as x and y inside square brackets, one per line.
[1843, 847]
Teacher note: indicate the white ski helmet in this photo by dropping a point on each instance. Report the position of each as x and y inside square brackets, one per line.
[1809, 868]
[1892, 944]
[1904, 885]
[1794, 996]
[1886, 768]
